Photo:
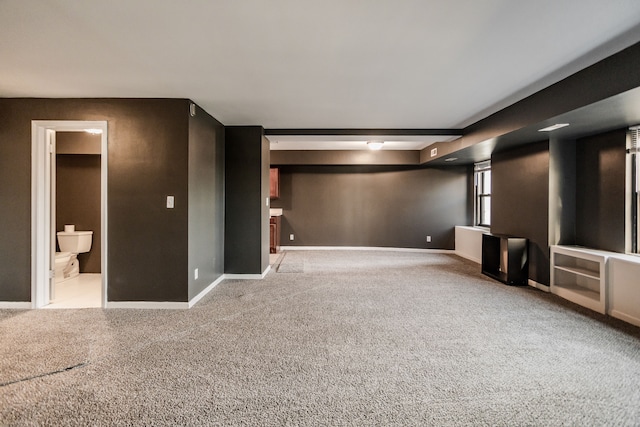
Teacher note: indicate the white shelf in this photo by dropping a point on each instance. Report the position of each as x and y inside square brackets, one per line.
[579, 271]
[579, 275]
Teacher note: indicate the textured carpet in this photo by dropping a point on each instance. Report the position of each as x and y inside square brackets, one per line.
[290, 263]
[358, 338]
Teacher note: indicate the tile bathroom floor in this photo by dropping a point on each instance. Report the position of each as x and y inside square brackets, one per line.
[83, 291]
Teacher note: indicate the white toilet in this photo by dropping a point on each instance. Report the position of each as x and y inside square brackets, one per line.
[71, 243]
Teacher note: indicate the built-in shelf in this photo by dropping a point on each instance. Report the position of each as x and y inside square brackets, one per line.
[579, 275]
[580, 272]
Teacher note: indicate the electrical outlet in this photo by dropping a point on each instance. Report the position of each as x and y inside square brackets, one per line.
[291, 237]
[195, 274]
[428, 239]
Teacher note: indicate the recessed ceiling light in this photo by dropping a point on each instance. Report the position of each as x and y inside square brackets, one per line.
[451, 159]
[375, 145]
[553, 127]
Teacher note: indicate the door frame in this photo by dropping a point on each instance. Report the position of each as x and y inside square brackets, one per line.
[42, 230]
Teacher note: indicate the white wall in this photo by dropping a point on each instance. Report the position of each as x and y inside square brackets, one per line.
[468, 242]
[624, 288]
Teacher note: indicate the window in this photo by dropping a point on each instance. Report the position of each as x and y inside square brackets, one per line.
[482, 172]
[633, 195]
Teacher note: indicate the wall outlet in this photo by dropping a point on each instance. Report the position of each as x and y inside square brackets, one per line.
[291, 237]
[428, 239]
[195, 274]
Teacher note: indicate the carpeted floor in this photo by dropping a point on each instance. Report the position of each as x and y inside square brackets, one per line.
[328, 338]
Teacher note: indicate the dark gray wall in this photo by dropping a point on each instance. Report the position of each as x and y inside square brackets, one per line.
[265, 193]
[372, 205]
[600, 195]
[78, 202]
[562, 192]
[246, 191]
[520, 201]
[148, 160]
[78, 143]
[206, 201]
[345, 157]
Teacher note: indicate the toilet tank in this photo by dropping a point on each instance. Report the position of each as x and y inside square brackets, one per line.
[75, 241]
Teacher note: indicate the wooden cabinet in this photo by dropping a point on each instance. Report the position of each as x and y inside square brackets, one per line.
[274, 234]
[274, 183]
[505, 258]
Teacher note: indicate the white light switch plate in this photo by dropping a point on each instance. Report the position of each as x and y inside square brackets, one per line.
[170, 202]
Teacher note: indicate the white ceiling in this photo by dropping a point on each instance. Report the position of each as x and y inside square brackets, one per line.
[310, 64]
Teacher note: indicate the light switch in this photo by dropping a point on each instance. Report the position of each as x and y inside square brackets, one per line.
[170, 202]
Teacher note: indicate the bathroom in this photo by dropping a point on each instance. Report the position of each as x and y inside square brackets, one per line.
[77, 208]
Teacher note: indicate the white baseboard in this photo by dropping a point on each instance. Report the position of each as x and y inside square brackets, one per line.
[15, 305]
[248, 276]
[470, 258]
[148, 305]
[540, 286]
[205, 291]
[364, 248]
[168, 305]
[625, 317]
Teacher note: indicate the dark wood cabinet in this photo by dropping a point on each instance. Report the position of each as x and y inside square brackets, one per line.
[505, 258]
[274, 234]
[274, 183]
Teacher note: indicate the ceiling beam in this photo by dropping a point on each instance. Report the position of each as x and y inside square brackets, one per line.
[363, 132]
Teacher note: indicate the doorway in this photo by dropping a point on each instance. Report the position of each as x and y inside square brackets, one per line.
[44, 227]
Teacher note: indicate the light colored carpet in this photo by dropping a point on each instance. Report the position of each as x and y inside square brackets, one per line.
[358, 338]
[290, 263]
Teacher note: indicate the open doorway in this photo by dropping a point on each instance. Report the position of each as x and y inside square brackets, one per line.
[69, 222]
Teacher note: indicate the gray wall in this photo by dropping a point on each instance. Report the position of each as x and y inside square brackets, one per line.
[372, 205]
[78, 201]
[345, 157]
[600, 195]
[206, 201]
[78, 190]
[265, 177]
[148, 160]
[562, 192]
[246, 191]
[520, 201]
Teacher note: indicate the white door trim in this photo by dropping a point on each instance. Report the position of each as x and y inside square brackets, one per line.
[41, 203]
